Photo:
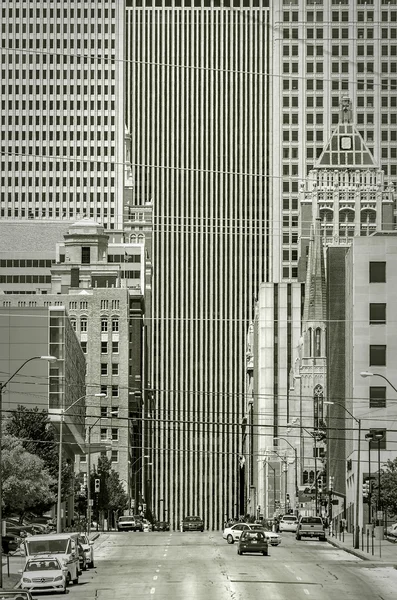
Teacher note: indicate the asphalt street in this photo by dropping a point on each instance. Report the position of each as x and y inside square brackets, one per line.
[202, 566]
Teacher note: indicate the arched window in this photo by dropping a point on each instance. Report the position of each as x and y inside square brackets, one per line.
[318, 399]
[317, 342]
[104, 324]
[83, 324]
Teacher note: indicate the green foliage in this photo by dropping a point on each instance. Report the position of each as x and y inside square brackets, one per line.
[388, 487]
[38, 436]
[26, 481]
[111, 495]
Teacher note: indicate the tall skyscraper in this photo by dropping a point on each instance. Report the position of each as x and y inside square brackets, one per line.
[197, 111]
[322, 51]
[62, 110]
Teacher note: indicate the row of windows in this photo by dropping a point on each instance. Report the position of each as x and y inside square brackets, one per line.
[44, 28]
[83, 305]
[105, 369]
[18, 263]
[104, 324]
[56, 182]
[71, 90]
[114, 433]
[51, 13]
[51, 166]
[342, 16]
[50, 213]
[114, 456]
[338, 33]
[25, 278]
[69, 104]
[60, 43]
[104, 347]
[69, 120]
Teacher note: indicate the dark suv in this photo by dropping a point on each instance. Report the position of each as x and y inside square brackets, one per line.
[192, 524]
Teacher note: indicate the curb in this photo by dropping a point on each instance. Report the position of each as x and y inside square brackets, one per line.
[353, 551]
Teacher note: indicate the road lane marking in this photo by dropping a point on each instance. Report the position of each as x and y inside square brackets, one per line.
[306, 591]
[152, 590]
[157, 570]
[154, 578]
[299, 578]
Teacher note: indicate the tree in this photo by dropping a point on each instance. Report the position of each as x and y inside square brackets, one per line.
[388, 487]
[26, 482]
[111, 498]
[38, 436]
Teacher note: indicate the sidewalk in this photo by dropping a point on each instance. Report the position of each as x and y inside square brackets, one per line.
[379, 551]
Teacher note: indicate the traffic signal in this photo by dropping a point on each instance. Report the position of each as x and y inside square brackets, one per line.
[97, 485]
[366, 490]
[287, 496]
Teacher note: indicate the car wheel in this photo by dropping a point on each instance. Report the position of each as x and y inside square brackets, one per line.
[298, 537]
[238, 551]
[76, 581]
[265, 553]
[92, 566]
[230, 539]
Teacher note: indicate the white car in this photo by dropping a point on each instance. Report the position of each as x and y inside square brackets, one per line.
[273, 538]
[391, 531]
[44, 574]
[288, 523]
[232, 534]
[88, 547]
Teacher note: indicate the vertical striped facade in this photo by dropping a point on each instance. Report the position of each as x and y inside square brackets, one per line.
[197, 110]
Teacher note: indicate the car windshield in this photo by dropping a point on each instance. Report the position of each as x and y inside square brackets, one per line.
[289, 519]
[47, 546]
[83, 539]
[42, 565]
[126, 518]
[192, 519]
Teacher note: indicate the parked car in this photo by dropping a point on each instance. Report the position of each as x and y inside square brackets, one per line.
[310, 527]
[88, 547]
[253, 541]
[82, 558]
[44, 574]
[192, 523]
[161, 526]
[10, 542]
[16, 595]
[288, 523]
[147, 526]
[129, 523]
[63, 545]
[391, 531]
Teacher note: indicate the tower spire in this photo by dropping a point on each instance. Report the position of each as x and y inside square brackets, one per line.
[315, 296]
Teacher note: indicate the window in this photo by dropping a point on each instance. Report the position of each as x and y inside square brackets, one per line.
[115, 434]
[104, 433]
[104, 347]
[115, 391]
[104, 389]
[104, 411]
[114, 411]
[377, 313]
[84, 346]
[83, 324]
[377, 397]
[104, 369]
[115, 369]
[85, 255]
[114, 456]
[104, 325]
[83, 458]
[115, 325]
[377, 272]
[115, 347]
[377, 355]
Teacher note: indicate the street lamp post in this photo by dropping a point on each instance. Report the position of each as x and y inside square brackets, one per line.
[369, 437]
[357, 513]
[89, 468]
[296, 464]
[2, 387]
[378, 435]
[59, 499]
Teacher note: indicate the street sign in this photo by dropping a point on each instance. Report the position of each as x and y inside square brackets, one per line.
[379, 514]
[132, 502]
